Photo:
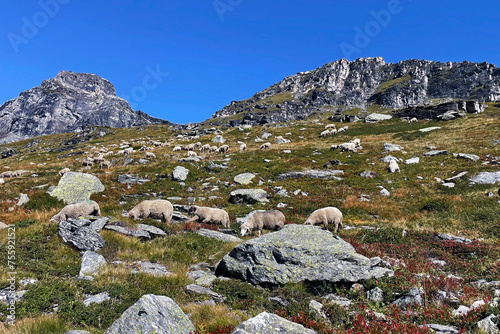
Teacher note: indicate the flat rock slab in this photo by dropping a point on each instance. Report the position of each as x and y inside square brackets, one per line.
[244, 179]
[154, 269]
[442, 329]
[466, 156]
[249, 196]
[388, 147]
[432, 128]
[139, 231]
[218, 235]
[313, 174]
[131, 179]
[486, 178]
[433, 153]
[97, 299]
[268, 323]
[153, 314]
[374, 118]
[298, 253]
[76, 187]
[412, 161]
[456, 177]
[80, 234]
[200, 290]
[447, 237]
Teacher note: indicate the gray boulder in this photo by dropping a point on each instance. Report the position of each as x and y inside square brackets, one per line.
[442, 329]
[375, 295]
[392, 147]
[180, 173]
[486, 178]
[488, 325]
[429, 129]
[412, 161]
[249, 196]
[153, 314]
[97, 299]
[268, 323]
[76, 187]
[200, 290]
[131, 179]
[447, 237]
[218, 235]
[219, 139]
[466, 156]
[433, 153]
[413, 297]
[244, 179]
[77, 332]
[313, 174]
[298, 253]
[150, 268]
[388, 159]
[80, 234]
[91, 263]
[374, 118]
[451, 115]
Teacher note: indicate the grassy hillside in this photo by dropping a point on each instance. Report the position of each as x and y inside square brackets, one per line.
[418, 204]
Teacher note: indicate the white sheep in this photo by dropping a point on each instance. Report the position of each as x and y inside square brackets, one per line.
[330, 126]
[340, 130]
[105, 163]
[413, 120]
[271, 219]
[393, 166]
[212, 149]
[189, 147]
[333, 131]
[2, 181]
[85, 208]
[223, 149]
[324, 133]
[88, 162]
[64, 171]
[326, 216]
[210, 215]
[192, 154]
[128, 150]
[205, 147]
[243, 147]
[334, 147]
[356, 142]
[265, 146]
[197, 145]
[156, 209]
[177, 149]
[349, 147]
[150, 155]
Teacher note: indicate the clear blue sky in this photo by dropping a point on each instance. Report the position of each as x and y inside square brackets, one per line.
[216, 55]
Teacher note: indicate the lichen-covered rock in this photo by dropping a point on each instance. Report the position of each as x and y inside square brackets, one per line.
[200, 290]
[91, 263]
[313, 174]
[244, 179]
[298, 253]
[374, 118]
[249, 196]
[80, 234]
[131, 179]
[268, 323]
[218, 235]
[486, 178]
[153, 314]
[219, 139]
[77, 187]
[180, 173]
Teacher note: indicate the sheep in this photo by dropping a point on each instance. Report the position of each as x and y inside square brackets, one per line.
[88, 162]
[333, 131]
[413, 120]
[223, 149]
[64, 171]
[85, 208]
[207, 215]
[324, 133]
[128, 150]
[177, 149]
[325, 216]
[105, 163]
[330, 126]
[393, 166]
[334, 147]
[212, 149]
[98, 159]
[356, 142]
[205, 147]
[271, 219]
[192, 154]
[243, 147]
[350, 147]
[340, 130]
[345, 127]
[157, 209]
[265, 146]
[197, 145]
[150, 155]
[120, 152]
[189, 147]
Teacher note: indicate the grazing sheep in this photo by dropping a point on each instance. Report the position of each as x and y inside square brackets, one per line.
[105, 163]
[64, 171]
[356, 142]
[223, 149]
[189, 147]
[120, 152]
[157, 209]
[197, 145]
[393, 166]
[265, 146]
[326, 216]
[350, 147]
[150, 155]
[271, 220]
[212, 149]
[334, 147]
[243, 147]
[330, 126]
[345, 127]
[333, 131]
[324, 133]
[340, 130]
[86, 208]
[88, 162]
[205, 147]
[177, 149]
[413, 120]
[207, 215]
[192, 154]
[128, 150]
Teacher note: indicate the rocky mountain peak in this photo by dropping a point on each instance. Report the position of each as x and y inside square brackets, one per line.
[85, 81]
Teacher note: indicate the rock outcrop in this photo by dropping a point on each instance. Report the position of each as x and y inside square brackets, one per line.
[68, 102]
[268, 323]
[76, 187]
[298, 253]
[343, 85]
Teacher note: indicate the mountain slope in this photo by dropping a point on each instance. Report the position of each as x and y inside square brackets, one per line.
[65, 103]
[363, 83]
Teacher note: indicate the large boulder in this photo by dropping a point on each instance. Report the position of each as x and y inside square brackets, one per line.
[76, 187]
[268, 323]
[374, 118]
[486, 178]
[153, 314]
[298, 253]
[249, 196]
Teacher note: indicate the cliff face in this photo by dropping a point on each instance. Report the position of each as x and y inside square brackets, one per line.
[65, 103]
[366, 82]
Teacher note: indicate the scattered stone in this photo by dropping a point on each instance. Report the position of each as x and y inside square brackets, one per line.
[218, 235]
[244, 179]
[77, 332]
[368, 174]
[298, 253]
[461, 311]
[131, 179]
[429, 129]
[155, 269]
[279, 301]
[152, 230]
[392, 147]
[200, 290]
[180, 173]
[451, 115]
[80, 234]
[412, 161]
[8, 296]
[456, 177]
[434, 153]
[449, 185]
[76, 187]
[313, 174]
[122, 228]
[266, 135]
[486, 178]
[27, 281]
[23, 199]
[281, 140]
[414, 297]
[385, 192]
[153, 314]
[442, 329]
[488, 325]
[249, 196]
[287, 151]
[317, 309]
[388, 159]
[466, 156]
[98, 224]
[338, 300]
[375, 295]
[447, 237]
[97, 299]
[91, 263]
[219, 139]
[268, 323]
[374, 118]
